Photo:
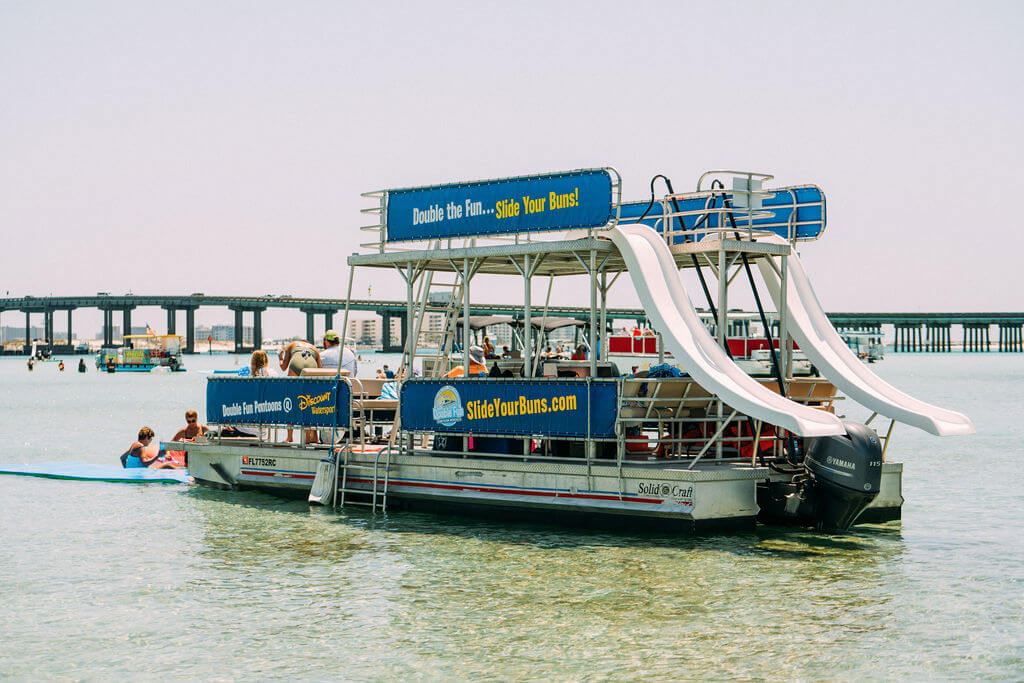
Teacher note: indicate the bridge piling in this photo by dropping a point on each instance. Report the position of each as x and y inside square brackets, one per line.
[190, 330]
[126, 326]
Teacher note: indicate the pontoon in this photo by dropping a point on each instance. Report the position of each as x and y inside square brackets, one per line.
[702, 446]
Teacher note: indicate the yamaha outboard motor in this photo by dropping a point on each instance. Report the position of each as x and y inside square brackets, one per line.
[841, 476]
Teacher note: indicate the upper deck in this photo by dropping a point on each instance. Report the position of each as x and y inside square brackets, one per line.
[496, 224]
[555, 257]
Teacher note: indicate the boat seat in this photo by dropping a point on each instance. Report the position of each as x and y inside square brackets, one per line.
[665, 398]
[375, 404]
[369, 387]
[813, 391]
[322, 372]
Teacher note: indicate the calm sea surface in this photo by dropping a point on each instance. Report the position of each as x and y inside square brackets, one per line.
[109, 580]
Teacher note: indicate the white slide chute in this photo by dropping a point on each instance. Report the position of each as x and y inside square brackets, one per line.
[656, 277]
[817, 338]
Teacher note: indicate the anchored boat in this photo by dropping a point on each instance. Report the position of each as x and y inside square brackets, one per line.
[143, 353]
[702, 445]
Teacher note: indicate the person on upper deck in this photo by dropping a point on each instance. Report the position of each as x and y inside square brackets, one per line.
[334, 354]
[476, 364]
[298, 355]
[192, 428]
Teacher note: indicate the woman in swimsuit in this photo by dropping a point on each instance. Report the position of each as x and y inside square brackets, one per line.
[298, 355]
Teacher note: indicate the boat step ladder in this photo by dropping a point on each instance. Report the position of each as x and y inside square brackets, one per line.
[375, 497]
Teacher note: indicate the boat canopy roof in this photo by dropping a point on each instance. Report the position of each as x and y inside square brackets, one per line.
[478, 322]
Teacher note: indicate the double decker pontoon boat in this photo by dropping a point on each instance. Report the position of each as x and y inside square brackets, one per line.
[703, 446]
[143, 353]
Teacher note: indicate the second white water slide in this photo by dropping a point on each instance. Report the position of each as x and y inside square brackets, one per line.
[812, 329]
[656, 278]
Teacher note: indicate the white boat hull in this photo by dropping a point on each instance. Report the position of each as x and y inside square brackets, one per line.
[653, 494]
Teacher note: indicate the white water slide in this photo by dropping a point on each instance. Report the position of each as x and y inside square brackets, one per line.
[819, 340]
[656, 277]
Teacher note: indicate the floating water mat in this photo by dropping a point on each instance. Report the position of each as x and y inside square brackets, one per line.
[93, 472]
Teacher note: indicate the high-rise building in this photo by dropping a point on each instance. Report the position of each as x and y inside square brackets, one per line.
[12, 332]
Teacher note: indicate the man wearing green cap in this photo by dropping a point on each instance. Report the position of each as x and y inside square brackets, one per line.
[333, 353]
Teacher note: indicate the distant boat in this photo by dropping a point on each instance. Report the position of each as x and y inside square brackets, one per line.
[143, 353]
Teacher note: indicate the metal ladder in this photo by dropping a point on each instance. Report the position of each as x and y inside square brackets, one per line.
[375, 498]
[449, 328]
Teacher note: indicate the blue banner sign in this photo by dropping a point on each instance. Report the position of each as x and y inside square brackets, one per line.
[805, 204]
[575, 199]
[277, 401]
[562, 407]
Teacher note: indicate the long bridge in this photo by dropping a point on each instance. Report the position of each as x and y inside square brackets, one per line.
[914, 332]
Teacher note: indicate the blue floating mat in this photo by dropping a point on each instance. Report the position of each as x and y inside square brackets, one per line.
[93, 472]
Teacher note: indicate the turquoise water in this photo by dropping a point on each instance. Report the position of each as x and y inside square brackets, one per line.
[107, 580]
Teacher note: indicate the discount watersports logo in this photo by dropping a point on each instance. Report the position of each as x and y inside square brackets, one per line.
[312, 402]
[447, 406]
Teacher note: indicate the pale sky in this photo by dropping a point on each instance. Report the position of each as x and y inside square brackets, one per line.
[222, 146]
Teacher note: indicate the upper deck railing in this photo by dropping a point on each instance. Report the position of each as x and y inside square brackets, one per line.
[523, 209]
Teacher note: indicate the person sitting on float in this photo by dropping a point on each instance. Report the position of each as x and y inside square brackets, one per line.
[476, 364]
[135, 456]
[580, 353]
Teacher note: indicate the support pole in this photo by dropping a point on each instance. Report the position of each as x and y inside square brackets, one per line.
[410, 314]
[527, 317]
[28, 330]
[172, 320]
[70, 335]
[465, 317]
[785, 343]
[593, 313]
[329, 322]
[723, 321]
[126, 321]
[309, 326]
[603, 337]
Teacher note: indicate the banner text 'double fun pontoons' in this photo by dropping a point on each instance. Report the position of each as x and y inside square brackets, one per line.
[278, 401]
[565, 407]
[557, 201]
